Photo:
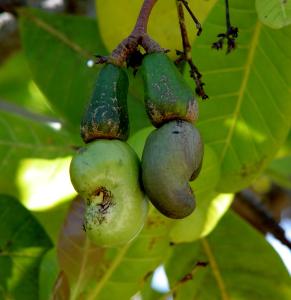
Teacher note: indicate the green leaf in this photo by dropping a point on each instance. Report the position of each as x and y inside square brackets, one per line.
[238, 268]
[280, 171]
[45, 179]
[17, 86]
[274, 13]
[137, 141]
[248, 115]
[110, 273]
[22, 138]
[23, 242]
[48, 274]
[57, 213]
[116, 24]
[58, 48]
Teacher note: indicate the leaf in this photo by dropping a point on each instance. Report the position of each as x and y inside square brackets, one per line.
[23, 243]
[280, 171]
[110, 273]
[239, 268]
[137, 141]
[56, 213]
[48, 274]
[61, 289]
[116, 24]
[248, 115]
[15, 73]
[24, 138]
[58, 48]
[45, 179]
[274, 13]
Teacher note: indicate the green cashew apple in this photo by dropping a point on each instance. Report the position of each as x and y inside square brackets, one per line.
[167, 95]
[106, 174]
[171, 158]
[106, 116]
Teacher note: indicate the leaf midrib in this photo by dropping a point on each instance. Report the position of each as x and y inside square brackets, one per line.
[241, 93]
[215, 269]
[95, 292]
[56, 33]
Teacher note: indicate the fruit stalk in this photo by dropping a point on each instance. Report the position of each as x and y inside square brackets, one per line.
[137, 37]
[143, 18]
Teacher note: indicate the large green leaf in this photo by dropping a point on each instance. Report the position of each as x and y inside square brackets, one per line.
[22, 138]
[241, 265]
[58, 48]
[248, 115]
[274, 13]
[112, 273]
[23, 242]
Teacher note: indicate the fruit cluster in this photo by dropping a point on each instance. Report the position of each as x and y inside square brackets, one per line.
[108, 174]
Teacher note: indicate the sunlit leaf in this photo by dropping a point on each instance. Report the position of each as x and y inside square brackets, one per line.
[22, 138]
[274, 13]
[238, 268]
[248, 115]
[43, 182]
[23, 242]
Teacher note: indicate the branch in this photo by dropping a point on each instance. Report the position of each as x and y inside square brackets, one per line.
[9, 36]
[183, 280]
[250, 207]
[186, 55]
[197, 23]
[230, 35]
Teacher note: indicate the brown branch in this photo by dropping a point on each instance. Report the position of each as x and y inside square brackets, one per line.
[186, 54]
[9, 36]
[251, 208]
[189, 276]
[196, 21]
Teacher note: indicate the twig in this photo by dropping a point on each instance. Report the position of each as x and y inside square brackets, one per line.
[230, 35]
[197, 23]
[249, 206]
[184, 279]
[186, 54]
